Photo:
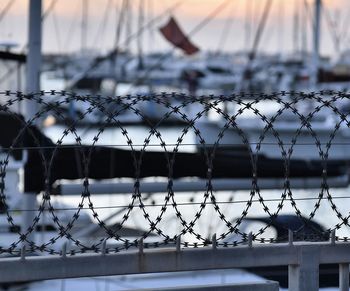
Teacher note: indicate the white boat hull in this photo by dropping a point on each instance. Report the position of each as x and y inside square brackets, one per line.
[283, 142]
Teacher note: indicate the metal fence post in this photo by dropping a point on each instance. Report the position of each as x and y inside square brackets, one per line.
[28, 215]
[343, 277]
[304, 276]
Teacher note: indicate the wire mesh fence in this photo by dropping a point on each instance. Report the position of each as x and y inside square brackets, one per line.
[166, 138]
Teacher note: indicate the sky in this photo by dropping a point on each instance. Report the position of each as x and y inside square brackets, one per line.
[229, 30]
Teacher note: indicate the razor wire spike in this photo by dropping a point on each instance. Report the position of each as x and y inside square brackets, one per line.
[104, 247]
[214, 242]
[23, 253]
[64, 250]
[250, 240]
[140, 245]
[178, 243]
[290, 237]
[333, 237]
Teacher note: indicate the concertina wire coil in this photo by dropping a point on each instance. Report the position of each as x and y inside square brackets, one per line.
[155, 225]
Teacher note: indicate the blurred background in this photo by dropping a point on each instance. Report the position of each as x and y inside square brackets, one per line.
[120, 46]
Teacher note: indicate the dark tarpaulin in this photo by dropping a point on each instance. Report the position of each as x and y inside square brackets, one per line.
[173, 33]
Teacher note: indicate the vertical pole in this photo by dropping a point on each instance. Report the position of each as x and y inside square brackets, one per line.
[296, 29]
[281, 27]
[32, 86]
[84, 24]
[304, 16]
[139, 39]
[128, 24]
[248, 23]
[151, 41]
[316, 43]
[305, 275]
[344, 277]
[33, 56]
[19, 84]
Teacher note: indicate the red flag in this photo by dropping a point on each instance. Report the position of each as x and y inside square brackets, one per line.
[173, 33]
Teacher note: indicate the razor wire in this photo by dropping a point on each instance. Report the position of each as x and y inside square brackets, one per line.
[229, 137]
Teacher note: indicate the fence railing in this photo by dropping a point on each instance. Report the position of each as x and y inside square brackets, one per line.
[303, 261]
[247, 168]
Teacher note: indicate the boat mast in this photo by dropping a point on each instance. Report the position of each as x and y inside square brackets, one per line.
[140, 39]
[280, 35]
[248, 25]
[296, 29]
[33, 56]
[31, 107]
[304, 25]
[316, 44]
[84, 24]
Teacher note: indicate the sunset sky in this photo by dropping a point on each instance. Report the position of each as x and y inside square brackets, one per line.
[226, 31]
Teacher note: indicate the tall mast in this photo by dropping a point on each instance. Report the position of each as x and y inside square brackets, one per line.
[34, 55]
[248, 25]
[31, 107]
[316, 43]
[281, 27]
[128, 24]
[304, 18]
[139, 39]
[151, 31]
[296, 28]
[84, 24]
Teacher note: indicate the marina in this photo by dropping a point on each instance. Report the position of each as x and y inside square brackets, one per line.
[182, 168]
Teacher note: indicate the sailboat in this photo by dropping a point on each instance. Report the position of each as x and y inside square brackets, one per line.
[299, 126]
[288, 132]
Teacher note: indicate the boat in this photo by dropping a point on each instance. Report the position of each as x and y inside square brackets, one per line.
[309, 129]
[306, 126]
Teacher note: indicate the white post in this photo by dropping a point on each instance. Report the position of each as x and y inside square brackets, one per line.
[32, 86]
[305, 275]
[344, 277]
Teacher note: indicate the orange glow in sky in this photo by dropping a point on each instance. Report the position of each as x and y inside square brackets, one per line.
[62, 28]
